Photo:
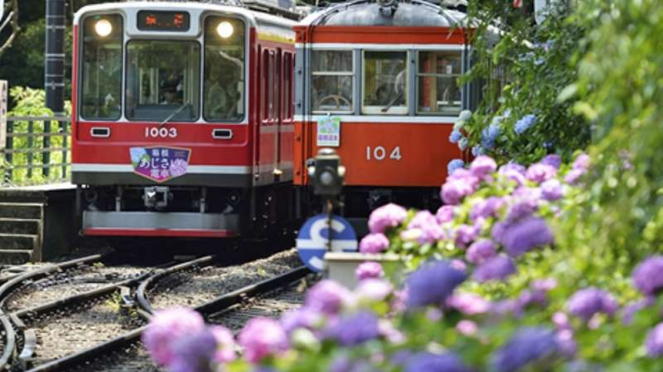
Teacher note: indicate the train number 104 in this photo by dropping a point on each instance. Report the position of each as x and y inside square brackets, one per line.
[156, 132]
[380, 153]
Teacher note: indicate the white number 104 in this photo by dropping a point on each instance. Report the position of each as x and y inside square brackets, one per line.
[379, 153]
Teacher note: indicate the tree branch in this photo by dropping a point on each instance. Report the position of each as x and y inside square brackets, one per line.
[11, 9]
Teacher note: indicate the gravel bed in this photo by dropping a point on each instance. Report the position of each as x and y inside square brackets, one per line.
[193, 289]
[69, 283]
[128, 360]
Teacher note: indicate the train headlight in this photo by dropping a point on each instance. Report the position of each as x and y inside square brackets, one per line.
[103, 28]
[225, 29]
[328, 175]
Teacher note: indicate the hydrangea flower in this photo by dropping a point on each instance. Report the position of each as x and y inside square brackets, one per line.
[369, 270]
[445, 214]
[354, 329]
[225, 351]
[194, 352]
[533, 347]
[552, 190]
[166, 326]
[478, 150]
[386, 217]
[540, 172]
[262, 337]
[455, 164]
[429, 229]
[432, 283]
[465, 234]
[496, 268]
[459, 184]
[573, 176]
[522, 209]
[631, 309]
[487, 208]
[467, 327]
[468, 303]
[553, 160]
[489, 135]
[374, 243]
[526, 235]
[374, 289]
[327, 296]
[303, 317]
[587, 302]
[524, 124]
[436, 363]
[648, 276]
[455, 136]
[483, 166]
[581, 162]
[566, 343]
[514, 172]
[654, 341]
[480, 251]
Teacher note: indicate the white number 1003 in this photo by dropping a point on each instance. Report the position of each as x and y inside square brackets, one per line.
[379, 153]
[155, 132]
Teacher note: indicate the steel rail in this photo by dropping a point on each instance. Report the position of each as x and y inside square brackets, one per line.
[216, 305]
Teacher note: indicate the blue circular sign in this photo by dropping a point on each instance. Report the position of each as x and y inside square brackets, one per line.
[312, 241]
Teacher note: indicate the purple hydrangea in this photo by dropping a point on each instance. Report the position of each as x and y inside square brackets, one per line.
[445, 214]
[166, 326]
[354, 329]
[553, 160]
[225, 341]
[455, 164]
[515, 167]
[521, 209]
[496, 268]
[654, 341]
[466, 234]
[535, 348]
[429, 229]
[648, 275]
[513, 172]
[327, 296]
[531, 298]
[540, 172]
[526, 235]
[432, 284]
[436, 363]
[386, 217]
[194, 352]
[552, 190]
[304, 317]
[487, 208]
[587, 302]
[374, 243]
[468, 303]
[573, 176]
[568, 346]
[262, 337]
[483, 166]
[582, 162]
[631, 309]
[374, 289]
[480, 251]
[453, 191]
[369, 270]
[497, 233]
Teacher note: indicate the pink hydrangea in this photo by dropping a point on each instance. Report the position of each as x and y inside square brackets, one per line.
[467, 327]
[483, 166]
[168, 326]
[429, 229]
[328, 297]
[374, 289]
[374, 243]
[445, 214]
[225, 344]
[540, 172]
[468, 303]
[369, 270]
[465, 234]
[262, 337]
[552, 190]
[386, 217]
[480, 251]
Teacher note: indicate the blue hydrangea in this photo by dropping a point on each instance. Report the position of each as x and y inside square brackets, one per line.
[462, 144]
[489, 136]
[526, 235]
[455, 136]
[436, 363]
[455, 164]
[432, 284]
[478, 151]
[535, 348]
[525, 123]
[355, 329]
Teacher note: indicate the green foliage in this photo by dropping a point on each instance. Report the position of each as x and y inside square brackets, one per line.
[525, 68]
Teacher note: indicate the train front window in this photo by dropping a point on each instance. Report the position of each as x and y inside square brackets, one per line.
[438, 91]
[332, 81]
[385, 83]
[224, 69]
[101, 68]
[163, 80]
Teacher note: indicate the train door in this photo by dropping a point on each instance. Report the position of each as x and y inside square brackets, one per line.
[267, 132]
[278, 110]
[287, 124]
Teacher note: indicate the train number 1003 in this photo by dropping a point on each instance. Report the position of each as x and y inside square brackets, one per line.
[380, 153]
[156, 132]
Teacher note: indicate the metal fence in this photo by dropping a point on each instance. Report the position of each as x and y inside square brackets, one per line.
[37, 150]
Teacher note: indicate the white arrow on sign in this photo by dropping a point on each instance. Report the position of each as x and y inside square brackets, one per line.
[317, 241]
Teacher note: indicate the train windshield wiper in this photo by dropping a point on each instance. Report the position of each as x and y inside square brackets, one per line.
[171, 116]
[392, 103]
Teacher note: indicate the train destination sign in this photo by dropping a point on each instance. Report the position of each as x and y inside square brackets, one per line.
[163, 21]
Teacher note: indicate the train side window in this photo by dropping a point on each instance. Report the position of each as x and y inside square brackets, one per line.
[264, 86]
[385, 88]
[101, 68]
[332, 80]
[225, 67]
[438, 91]
[287, 84]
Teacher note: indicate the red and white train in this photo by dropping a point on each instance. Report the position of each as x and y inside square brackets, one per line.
[198, 119]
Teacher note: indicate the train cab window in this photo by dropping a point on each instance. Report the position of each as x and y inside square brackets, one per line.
[101, 68]
[163, 80]
[438, 91]
[224, 80]
[385, 83]
[332, 81]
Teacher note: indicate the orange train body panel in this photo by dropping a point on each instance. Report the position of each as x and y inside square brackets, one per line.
[387, 154]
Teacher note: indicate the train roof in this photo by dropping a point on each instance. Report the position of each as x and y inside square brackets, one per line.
[415, 13]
